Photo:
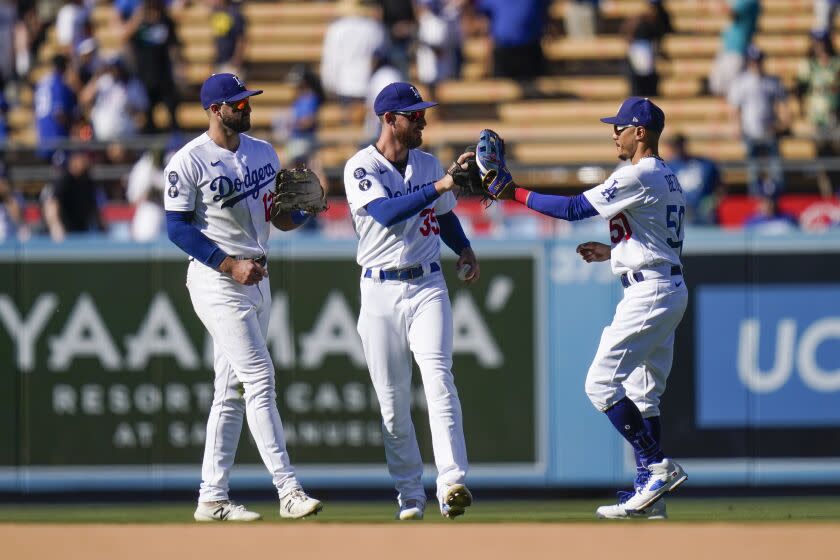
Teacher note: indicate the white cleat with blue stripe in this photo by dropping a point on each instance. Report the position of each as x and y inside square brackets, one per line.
[618, 511]
[665, 477]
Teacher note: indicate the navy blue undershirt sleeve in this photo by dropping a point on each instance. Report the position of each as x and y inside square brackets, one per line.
[390, 211]
[300, 216]
[185, 235]
[571, 208]
[452, 233]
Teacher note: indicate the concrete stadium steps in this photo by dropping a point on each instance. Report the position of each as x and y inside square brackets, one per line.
[199, 32]
[605, 47]
[492, 90]
[204, 52]
[696, 110]
[266, 12]
[693, 8]
[479, 49]
[792, 23]
[557, 135]
[782, 66]
[545, 122]
[594, 152]
[775, 14]
[604, 152]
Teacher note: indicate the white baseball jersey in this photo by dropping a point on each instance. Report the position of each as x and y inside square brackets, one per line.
[368, 175]
[645, 206]
[229, 195]
[229, 192]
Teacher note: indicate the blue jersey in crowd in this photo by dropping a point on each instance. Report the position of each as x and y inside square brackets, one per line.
[303, 107]
[738, 36]
[698, 177]
[517, 23]
[55, 104]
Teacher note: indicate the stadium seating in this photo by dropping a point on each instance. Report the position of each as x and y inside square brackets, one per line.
[561, 129]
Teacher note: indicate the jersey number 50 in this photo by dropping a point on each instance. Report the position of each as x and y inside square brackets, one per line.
[430, 223]
[674, 221]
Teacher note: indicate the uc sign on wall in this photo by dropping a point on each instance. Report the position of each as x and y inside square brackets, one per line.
[769, 356]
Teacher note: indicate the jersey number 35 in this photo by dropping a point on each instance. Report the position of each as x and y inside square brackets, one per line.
[430, 223]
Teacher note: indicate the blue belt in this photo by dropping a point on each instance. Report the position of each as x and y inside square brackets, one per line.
[409, 273]
[639, 276]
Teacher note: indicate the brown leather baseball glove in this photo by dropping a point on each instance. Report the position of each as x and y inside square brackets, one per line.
[297, 189]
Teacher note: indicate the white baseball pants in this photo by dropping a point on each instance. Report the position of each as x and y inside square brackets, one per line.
[636, 351]
[398, 319]
[236, 316]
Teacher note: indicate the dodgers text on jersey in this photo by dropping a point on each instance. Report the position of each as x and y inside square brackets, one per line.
[254, 181]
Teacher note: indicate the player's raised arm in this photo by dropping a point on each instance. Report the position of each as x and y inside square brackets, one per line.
[401, 202]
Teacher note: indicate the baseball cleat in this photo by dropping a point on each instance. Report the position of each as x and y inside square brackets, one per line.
[224, 510]
[618, 511]
[456, 500]
[665, 476]
[296, 505]
[411, 510]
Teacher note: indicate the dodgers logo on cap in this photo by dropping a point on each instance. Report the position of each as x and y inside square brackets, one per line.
[638, 111]
[224, 88]
[400, 97]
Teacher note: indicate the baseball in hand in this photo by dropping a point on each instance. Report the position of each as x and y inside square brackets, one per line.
[463, 272]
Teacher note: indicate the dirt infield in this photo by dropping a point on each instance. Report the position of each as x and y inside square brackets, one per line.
[368, 542]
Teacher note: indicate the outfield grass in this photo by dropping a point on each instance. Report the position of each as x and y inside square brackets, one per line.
[688, 509]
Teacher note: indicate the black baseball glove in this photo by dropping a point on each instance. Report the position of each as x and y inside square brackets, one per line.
[469, 179]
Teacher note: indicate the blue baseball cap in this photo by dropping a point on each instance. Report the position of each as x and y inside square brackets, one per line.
[819, 35]
[754, 53]
[220, 88]
[638, 111]
[399, 96]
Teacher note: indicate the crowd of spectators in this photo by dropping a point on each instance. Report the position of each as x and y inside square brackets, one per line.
[644, 34]
[109, 97]
[90, 94]
[88, 103]
[760, 108]
[818, 92]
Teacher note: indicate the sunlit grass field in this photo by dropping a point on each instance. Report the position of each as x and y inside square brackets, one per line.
[497, 511]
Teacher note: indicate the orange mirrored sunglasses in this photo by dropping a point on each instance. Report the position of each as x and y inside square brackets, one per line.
[237, 106]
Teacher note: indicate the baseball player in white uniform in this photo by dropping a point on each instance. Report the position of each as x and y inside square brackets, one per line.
[402, 205]
[217, 199]
[645, 206]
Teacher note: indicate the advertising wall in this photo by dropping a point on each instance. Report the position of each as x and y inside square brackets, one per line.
[107, 373]
[757, 398]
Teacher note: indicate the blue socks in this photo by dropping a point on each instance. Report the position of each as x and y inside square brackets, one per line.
[643, 434]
